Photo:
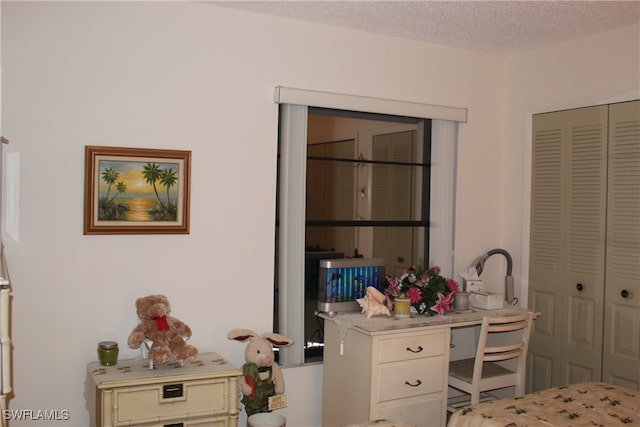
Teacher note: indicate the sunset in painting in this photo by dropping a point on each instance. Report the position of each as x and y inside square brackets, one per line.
[137, 191]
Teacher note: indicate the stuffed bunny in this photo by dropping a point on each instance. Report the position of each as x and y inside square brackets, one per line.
[261, 375]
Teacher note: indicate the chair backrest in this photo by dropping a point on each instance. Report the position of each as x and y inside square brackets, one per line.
[514, 332]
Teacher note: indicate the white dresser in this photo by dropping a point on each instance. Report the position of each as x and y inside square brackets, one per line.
[203, 393]
[388, 368]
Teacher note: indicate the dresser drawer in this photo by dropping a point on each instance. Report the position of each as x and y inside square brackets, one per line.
[400, 381]
[198, 422]
[170, 400]
[411, 346]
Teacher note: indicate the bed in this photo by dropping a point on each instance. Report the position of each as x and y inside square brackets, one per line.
[584, 404]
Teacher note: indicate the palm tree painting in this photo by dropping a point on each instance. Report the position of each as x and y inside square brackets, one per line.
[136, 190]
[130, 190]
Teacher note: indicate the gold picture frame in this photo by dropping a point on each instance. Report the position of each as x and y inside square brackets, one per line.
[136, 190]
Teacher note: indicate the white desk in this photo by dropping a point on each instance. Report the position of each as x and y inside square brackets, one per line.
[389, 368]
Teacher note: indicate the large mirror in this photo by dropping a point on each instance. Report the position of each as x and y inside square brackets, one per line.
[366, 192]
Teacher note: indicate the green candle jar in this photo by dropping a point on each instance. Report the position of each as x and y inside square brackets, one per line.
[108, 353]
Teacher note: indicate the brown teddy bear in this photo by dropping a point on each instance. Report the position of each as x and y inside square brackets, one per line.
[168, 334]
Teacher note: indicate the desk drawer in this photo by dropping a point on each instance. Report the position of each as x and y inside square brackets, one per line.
[426, 411]
[411, 346]
[409, 379]
[169, 401]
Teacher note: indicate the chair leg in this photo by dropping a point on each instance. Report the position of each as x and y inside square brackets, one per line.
[475, 397]
[519, 390]
[519, 385]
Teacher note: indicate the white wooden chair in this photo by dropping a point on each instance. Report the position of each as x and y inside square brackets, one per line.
[145, 346]
[501, 339]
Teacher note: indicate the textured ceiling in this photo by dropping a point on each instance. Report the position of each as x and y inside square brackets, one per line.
[498, 27]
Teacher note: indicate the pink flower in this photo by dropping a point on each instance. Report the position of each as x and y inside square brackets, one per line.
[394, 287]
[429, 292]
[443, 305]
[415, 295]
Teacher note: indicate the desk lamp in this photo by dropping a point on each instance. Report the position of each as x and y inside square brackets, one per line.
[478, 264]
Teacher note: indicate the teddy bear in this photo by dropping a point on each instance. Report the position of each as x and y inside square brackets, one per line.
[167, 333]
[261, 375]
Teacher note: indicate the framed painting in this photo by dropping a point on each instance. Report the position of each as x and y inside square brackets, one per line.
[136, 191]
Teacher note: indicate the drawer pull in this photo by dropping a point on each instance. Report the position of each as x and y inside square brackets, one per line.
[415, 351]
[171, 390]
[418, 382]
[174, 425]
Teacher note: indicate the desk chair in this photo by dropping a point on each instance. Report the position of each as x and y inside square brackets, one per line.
[476, 375]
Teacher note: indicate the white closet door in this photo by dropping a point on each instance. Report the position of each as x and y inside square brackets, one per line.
[567, 246]
[316, 194]
[583, 278]
[331, 196]
[340, 198]
[391, 199]
[622, 300]
[546, 258]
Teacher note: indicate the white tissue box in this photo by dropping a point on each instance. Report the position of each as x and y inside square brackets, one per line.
[486, 300]
[474, 285]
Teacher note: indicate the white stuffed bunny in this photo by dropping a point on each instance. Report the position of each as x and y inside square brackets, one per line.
[261, 375]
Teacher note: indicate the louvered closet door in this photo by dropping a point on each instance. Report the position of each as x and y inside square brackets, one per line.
[331, 196]
[567, 246]
[391, 199]
[583, 243]
[546, 259]
[340, 197]
[622, 301]
[316, 194]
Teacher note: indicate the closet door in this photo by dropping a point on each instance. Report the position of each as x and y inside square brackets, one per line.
[567, 246]
[583, 275]
[546, 258]
[622, 296]
[391, 199]
[316, 194]
[331, 196]
[341, 193]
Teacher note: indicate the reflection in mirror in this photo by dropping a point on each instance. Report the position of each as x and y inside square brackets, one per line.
[364, 197]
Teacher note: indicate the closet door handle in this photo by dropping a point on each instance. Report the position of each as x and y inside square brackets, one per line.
[579, 287]
[624, 293]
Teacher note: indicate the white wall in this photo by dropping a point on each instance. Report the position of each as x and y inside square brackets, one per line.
[193, 76]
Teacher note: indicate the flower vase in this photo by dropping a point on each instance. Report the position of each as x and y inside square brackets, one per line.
[401, 307]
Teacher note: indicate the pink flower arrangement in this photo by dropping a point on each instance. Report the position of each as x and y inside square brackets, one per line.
[429, 292]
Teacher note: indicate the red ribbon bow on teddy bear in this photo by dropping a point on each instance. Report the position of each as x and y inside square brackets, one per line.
[161, 323]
